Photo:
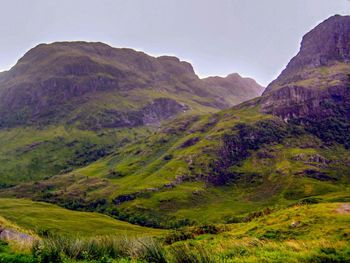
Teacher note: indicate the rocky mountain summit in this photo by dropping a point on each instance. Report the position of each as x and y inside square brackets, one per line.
[98, 86]
[316, 80]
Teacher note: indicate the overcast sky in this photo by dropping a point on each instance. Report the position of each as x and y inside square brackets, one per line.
[255, 38]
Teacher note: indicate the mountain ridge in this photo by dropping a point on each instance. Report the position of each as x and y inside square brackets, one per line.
[317, 77]
[56, 80]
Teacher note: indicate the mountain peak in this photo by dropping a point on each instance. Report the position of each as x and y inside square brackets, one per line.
[327, 42]
[315, 82]
[326, 45]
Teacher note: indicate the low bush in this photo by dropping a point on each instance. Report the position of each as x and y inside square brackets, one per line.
[57, 249]
[184, 253]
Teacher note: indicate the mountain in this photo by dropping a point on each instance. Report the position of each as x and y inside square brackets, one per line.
[235, 88]
[267, 180]
[317, 78]
[96, 86]
[67, 104]
[289, 146]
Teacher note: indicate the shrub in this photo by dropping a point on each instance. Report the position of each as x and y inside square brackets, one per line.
[149, 250]
[183, 253]
[257, 214]
[176, 236]
[56, 248]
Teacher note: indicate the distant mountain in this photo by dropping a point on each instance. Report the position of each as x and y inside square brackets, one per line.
[96, 86]
[235, 88]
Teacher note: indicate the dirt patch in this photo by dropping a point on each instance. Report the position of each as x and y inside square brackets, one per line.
[344, 209]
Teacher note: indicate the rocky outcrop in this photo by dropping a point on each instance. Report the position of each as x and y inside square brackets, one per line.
[317, 77]
[313, 158]
[324, 46]
[150, 115]
[238, 146]
[161, 109]
[295, 102]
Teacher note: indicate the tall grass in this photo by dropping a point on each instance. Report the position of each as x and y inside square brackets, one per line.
[56, 249]
[142, 250]
[184, 253]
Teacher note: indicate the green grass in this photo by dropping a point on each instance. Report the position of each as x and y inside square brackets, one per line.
[29, 154]
[300, 233]
[321, 233]
[40, 217]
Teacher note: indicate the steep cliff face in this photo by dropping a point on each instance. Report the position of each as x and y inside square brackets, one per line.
[61, 82]
[317, 77]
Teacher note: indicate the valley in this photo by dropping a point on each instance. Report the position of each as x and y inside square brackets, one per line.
[112, 155]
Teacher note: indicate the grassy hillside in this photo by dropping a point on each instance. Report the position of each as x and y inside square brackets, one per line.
[190, 172]
[29, 154]
[303, 233]
[43, 218]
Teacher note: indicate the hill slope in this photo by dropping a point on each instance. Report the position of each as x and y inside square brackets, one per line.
[42, 217]
[308, 233]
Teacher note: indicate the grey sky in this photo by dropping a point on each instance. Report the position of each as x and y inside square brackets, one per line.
[255, 38]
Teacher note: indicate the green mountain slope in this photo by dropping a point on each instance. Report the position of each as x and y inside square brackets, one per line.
[67, 104]
[183, 174]
[29, 154]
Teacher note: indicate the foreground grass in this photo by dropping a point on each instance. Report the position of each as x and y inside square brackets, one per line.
[301, 233]
[43, 217]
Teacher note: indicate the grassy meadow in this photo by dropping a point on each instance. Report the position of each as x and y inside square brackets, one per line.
[47, 218]
[299, 233]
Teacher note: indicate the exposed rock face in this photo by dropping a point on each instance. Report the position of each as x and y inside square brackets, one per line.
[318, 76]
[311, 158]
[67, 80]
[298, 102]
[326, 45]
[151, 115]
[161, 109]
